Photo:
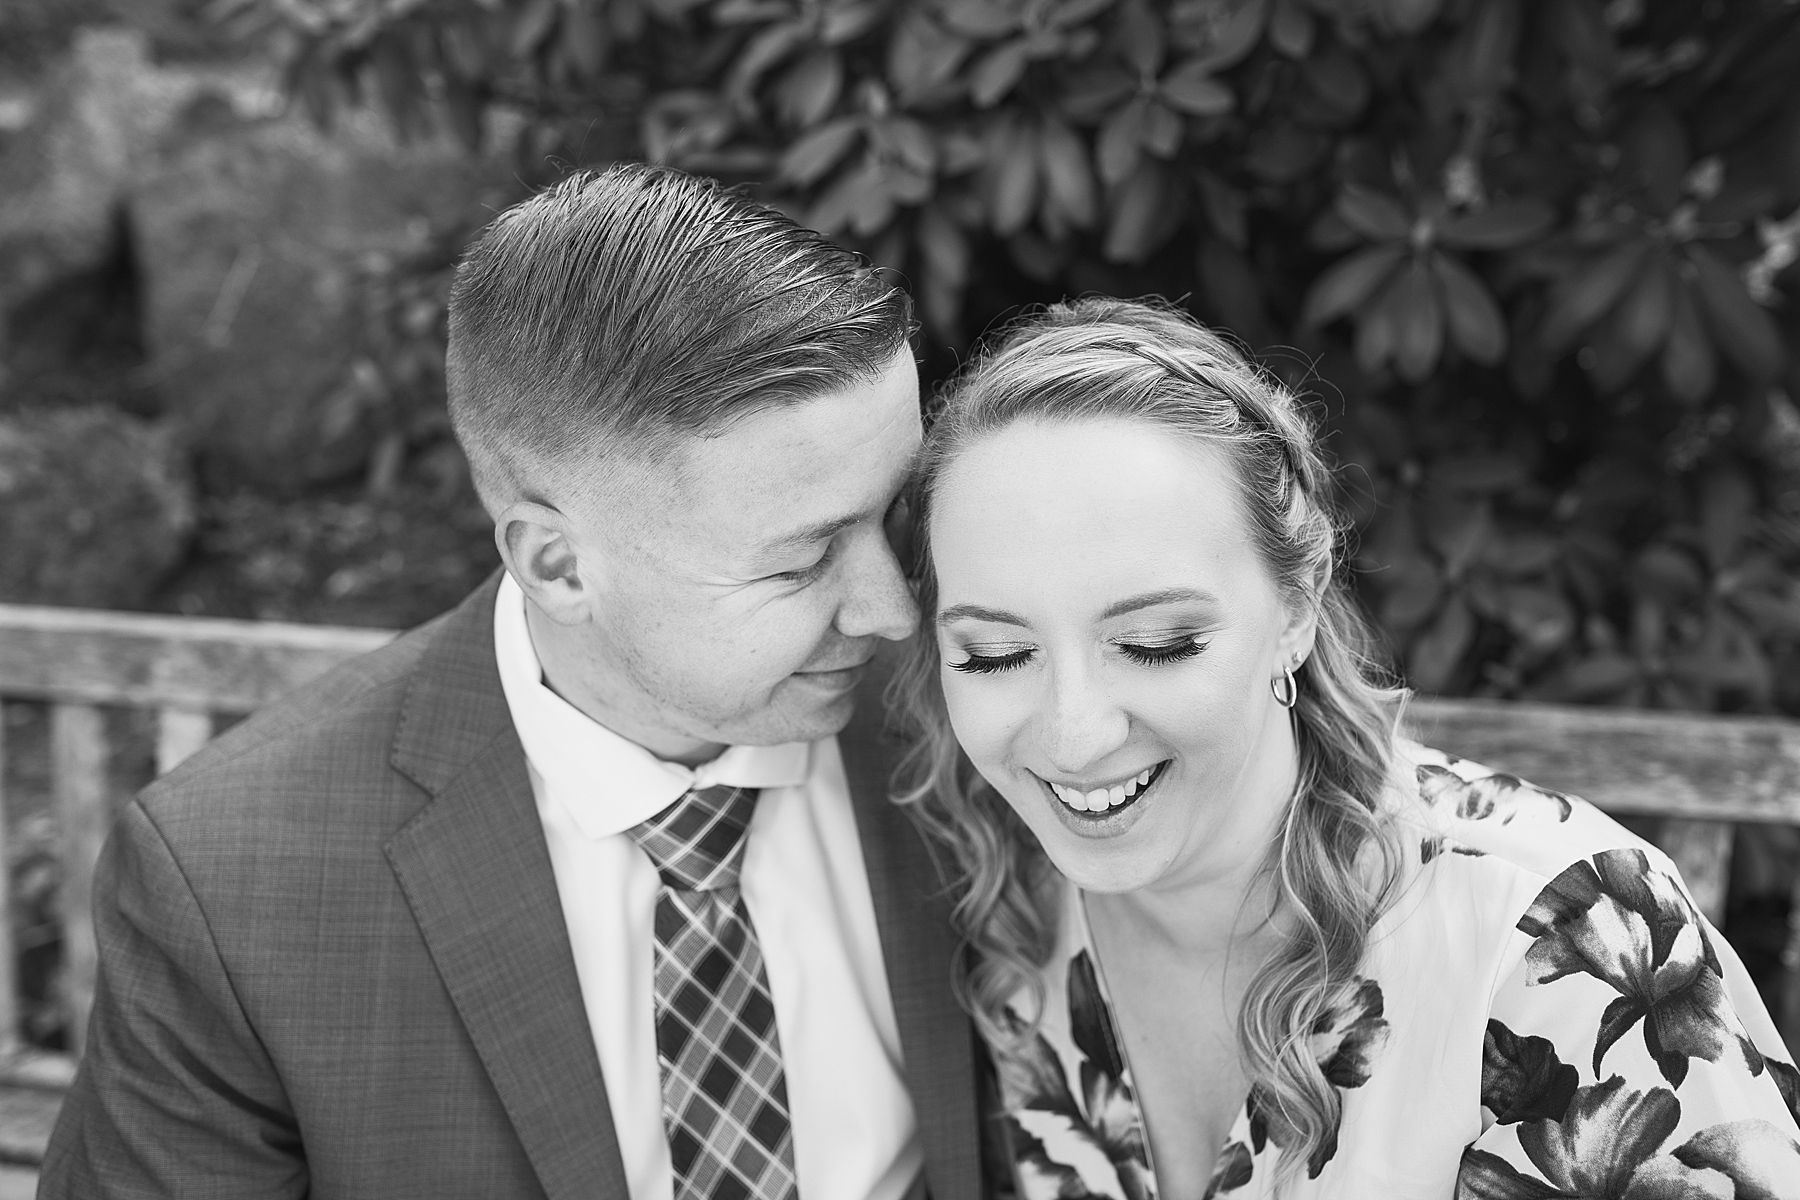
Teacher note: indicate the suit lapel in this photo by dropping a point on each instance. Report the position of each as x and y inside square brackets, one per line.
[475, 870]
[918, 946]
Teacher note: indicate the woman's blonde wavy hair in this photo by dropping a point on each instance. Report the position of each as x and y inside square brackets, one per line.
[1334, 869]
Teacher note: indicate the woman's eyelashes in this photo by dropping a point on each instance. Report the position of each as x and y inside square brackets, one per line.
[1148, 655]
[988, 664]
[1159, 653]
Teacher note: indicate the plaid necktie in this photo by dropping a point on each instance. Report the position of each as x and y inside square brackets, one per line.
[724, 1093]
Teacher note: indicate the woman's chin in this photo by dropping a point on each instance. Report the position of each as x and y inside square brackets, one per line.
[1108, 878]
[1110, 852]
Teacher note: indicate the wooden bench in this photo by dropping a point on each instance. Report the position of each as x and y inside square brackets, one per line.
[189, 672]
[1700, 775]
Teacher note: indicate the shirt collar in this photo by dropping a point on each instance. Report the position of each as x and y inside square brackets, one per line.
[606, 782]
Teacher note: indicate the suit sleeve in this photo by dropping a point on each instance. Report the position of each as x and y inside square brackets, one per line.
[176, 1095]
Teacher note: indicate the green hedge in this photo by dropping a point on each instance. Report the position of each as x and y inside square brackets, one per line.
[1532, 258]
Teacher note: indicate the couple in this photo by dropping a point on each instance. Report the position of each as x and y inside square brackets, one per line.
[649, 873]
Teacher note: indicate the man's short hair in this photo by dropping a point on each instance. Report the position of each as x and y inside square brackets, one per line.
[628, 305]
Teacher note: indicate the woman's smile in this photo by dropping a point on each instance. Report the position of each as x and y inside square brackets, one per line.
[1103, 810]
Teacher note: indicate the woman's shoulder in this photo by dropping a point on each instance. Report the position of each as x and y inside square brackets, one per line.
[1482, 850]
[1622, 1034]
[1465, 808]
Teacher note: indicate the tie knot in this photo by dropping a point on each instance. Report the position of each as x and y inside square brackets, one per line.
[697, 843]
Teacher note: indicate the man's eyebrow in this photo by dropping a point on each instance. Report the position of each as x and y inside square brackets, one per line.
[824, 531]
[1174, 595]
[977, 612]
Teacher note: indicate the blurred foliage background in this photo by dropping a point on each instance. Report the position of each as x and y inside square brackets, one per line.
[1534, 262]
[1531, 258]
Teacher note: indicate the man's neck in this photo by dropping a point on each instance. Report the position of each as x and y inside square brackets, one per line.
[565, 662]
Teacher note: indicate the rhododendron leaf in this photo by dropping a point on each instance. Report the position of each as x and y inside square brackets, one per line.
[1688, 366]
[1349, 282]
[1377, 217]
[1476, 325]
[1500, 226]
[1590, 292]
[1743, 328]
[1419, 316]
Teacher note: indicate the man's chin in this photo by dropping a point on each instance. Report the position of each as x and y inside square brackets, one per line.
[828, 717]
[816, 708]
[801, 712]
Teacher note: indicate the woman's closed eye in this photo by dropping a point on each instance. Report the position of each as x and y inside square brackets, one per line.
[1156, 654]
[991, 662]
[1152, 654]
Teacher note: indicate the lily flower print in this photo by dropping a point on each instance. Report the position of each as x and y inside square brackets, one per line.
[1522, 1079]
[1488, 795]
[1067, 1150]
[1624, 922]
[1345, 1041]
[1610, 1146]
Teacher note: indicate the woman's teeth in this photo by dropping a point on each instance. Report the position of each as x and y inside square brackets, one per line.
[1101, 799]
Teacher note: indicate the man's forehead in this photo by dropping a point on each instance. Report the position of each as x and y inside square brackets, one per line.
[779, 477]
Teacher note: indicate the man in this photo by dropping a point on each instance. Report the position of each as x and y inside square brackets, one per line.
[577, 891]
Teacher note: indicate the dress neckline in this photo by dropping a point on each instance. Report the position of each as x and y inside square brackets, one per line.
[1085, 940]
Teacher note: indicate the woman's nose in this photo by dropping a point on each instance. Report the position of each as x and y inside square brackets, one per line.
[1081, 724]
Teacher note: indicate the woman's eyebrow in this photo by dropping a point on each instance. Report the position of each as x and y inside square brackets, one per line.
[977, 612]
[1177, 595]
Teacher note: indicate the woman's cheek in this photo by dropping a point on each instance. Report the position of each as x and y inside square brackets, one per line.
[966, 714]
[982, 717]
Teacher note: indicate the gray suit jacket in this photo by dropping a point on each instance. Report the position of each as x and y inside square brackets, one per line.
[333, 961]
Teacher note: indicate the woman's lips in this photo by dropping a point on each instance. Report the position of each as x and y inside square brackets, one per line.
[1101, 802]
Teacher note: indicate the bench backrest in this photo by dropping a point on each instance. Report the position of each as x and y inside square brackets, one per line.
[1701, 774]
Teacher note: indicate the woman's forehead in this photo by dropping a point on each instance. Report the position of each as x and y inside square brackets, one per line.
[1088, 465]
[1040, 504]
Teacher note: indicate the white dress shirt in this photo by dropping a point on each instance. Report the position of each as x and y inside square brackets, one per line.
[805, 885]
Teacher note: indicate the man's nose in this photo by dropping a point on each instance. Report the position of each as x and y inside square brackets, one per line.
[1080, 724]
[877, 601]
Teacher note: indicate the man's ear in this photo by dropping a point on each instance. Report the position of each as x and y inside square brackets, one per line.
[536, 546]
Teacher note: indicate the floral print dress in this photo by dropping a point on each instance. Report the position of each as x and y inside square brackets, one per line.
[1543, 1013]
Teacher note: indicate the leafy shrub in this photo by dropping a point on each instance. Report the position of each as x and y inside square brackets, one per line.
[1533, 258]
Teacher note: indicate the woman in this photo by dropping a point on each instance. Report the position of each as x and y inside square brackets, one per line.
[1231, 935]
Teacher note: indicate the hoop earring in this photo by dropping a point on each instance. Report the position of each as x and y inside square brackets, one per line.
[1285, 687]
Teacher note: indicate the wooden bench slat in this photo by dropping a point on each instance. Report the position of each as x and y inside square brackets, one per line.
[1787, 1014]
[27, 1115]
[179, 733]
[1702, 853]
[45, 1070]
[78, 762]
[1695, 770]
[1693, 765]
[148, 661]
[9, 993]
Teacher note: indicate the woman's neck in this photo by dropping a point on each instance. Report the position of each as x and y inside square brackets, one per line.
[1206, 916]
[1220, 896]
